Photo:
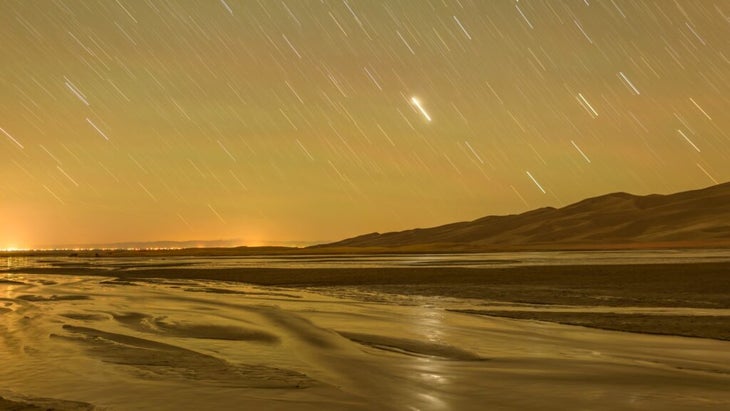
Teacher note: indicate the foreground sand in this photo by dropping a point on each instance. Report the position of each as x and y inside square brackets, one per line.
[386, 338]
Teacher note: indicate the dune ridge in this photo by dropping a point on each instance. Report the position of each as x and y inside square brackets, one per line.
[688, 218]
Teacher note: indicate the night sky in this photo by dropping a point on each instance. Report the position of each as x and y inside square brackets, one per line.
[271, 122]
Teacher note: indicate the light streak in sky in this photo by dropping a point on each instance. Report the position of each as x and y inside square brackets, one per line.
[405, 42]
[49, 153]
[474, 152]
[226, 150]
[420, 108]
[216, 213]
[628, 82]
[462, 27]
[77, 92]
[523, 16]
[535, 181]
[700, 108]
[291, 46]
[520, 196]
[227, 6]
[689, 141]
[147, 191]
[97, 129]
[583, 31]
[707, 174]
[130, 14]
[67, 176]
[373, 79]
[53, 194]
[580, 151]
[11, 137]
[582, 100]
[305, 150]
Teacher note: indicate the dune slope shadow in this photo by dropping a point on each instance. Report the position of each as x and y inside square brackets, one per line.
[42, 404]
[162, 325]
[214, 290]
[173, 361]
[41, 298]
[11, 282]
[84, 316]
[413, 347]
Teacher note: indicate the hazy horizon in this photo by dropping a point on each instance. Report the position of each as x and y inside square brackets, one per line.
[271, 122]
[170, 244]
[690, 237]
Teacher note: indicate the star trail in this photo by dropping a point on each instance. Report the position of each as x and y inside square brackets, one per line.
[271, 122]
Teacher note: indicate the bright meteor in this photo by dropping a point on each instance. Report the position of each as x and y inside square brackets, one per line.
[417, 103]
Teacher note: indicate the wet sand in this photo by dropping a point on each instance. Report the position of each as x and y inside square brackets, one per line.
[42, 404]
[702, 285]
[702, 326]
[373, 338]
[676, 285]
[698, 285]
[685, 285]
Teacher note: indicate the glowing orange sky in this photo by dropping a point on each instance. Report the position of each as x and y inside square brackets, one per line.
[267, 121]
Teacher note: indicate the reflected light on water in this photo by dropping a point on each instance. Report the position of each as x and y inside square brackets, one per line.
[429, 323]
[13, 262]
[434, 402]
[433, 377]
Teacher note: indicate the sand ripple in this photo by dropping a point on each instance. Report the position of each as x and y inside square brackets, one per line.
[162, 325]
[170, 360]
[413, 347]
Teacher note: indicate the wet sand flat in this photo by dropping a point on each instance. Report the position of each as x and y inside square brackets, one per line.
[696, 285]
[692, 285]
[686, 285]
[679, 285]
[372, 338]
[703, 326]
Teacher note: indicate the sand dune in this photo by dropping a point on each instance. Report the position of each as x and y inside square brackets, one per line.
[691, 218]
